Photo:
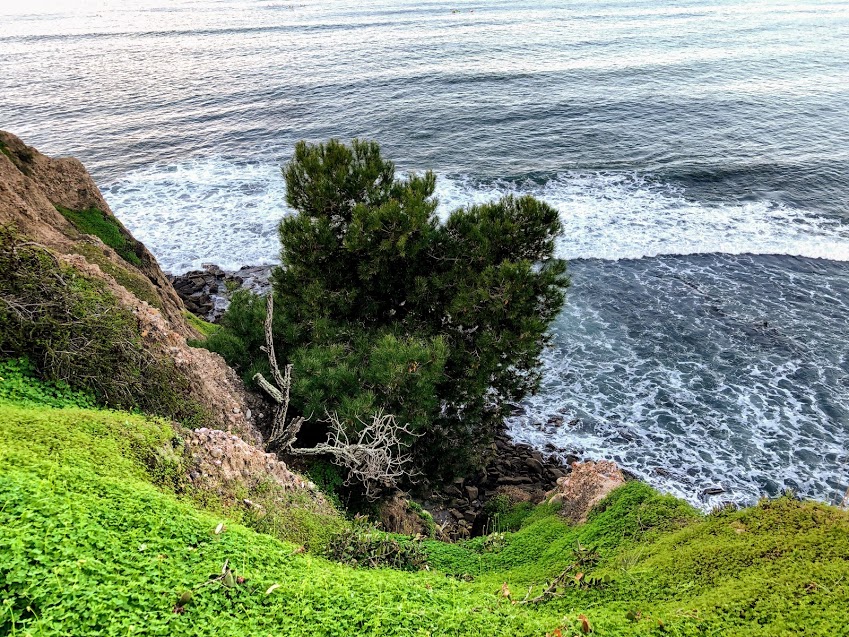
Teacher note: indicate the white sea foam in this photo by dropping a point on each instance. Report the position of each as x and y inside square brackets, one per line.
[216, 211]
[698, 372]
[204, 211]
[626, 217]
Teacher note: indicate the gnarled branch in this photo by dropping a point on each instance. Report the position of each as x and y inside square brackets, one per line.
[375, 456]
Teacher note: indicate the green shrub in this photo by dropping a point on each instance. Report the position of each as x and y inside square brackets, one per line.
[74, 331]
[382, 307]
[104, 226]
[360, 544]
[328, 478]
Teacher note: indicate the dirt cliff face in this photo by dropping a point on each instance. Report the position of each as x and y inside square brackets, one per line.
[33, 189]
[55, 203]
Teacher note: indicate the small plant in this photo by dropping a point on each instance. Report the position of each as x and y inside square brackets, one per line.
[572, 575]
[425, 516]
[494, 542]
[363, 545]
[19, 383]
[503, 515]
[328, 478]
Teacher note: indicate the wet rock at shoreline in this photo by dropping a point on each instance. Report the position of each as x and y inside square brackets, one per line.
[206, 293]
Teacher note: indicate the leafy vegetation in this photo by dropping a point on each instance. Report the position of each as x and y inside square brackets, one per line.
[104, 226]
[360, 544]
[385, 309]
[17, 383]
[73, 330]
[131, 279]
[205, 328]
[504, 515]
[89, 545]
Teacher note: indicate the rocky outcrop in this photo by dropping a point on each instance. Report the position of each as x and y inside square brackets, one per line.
[207, 292]
[586, 485]
[516, 470]
[223, 462]
[32, 185]
[33, 190]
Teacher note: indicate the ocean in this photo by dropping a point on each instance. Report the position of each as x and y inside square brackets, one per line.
[698, 153]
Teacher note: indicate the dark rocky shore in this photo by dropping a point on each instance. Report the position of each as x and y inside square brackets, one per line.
[517, 471]
[206, 293]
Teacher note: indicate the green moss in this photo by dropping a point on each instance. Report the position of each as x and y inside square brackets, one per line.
[135, 282]
[104, 226]
[206, 328]
[5, 150]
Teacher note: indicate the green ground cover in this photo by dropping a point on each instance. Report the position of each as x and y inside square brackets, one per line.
[96, 222]
[94, 540]
[205, 328]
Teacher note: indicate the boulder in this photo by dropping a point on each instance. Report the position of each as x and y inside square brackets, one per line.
[586, 485]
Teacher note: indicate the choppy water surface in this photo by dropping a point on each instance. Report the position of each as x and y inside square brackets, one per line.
[698, 152]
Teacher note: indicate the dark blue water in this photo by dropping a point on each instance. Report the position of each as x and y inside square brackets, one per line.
[698, 152]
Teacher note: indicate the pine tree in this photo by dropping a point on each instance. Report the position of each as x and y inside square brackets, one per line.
[383, 308]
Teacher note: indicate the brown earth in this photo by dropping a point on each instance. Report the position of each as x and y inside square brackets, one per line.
[226, 464]
[31, 185]
[586, 485]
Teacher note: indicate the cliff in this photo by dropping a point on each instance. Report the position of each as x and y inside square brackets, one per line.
[56, 204]
[36, 189]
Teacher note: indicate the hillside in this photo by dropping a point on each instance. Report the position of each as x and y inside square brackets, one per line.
[136, 496]
[95, 539]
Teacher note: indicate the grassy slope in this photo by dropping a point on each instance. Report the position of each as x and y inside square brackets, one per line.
[88, 545]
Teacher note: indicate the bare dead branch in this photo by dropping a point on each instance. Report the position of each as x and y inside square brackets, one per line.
[375, 458]
[281, 435]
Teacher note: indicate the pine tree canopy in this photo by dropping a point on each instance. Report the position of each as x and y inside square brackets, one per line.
[380, 305]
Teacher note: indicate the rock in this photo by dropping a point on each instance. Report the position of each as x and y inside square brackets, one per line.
[472, 492]
[225, 464]
[584, 487]
[534, 465]
[713, 490]
[452, 491]
[557, 498]
[513, 480]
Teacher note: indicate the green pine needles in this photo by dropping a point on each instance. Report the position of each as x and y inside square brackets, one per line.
[382, 306]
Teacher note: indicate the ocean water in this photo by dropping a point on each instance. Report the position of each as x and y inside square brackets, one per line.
[698, 153]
